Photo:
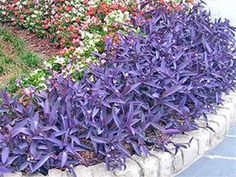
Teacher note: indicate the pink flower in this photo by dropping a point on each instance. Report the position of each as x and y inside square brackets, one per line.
[4, 13]
[77, 40]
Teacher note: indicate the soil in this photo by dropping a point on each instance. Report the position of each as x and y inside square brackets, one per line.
[42, 46]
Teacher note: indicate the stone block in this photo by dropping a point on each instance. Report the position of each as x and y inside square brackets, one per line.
[214, 135]
[191, 153]
[58, 173]
[178, 162]
[150, 165]
[83, 171]
[132, 170]
[221, 121]
[100, 170]
[203, 139]
[18, 174]
[165, 163]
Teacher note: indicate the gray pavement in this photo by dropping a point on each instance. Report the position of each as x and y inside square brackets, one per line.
[218, 162]
[223, 9]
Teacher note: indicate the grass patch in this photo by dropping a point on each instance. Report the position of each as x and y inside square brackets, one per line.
[15, 59]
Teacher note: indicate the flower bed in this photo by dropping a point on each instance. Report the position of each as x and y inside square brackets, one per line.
[144, 88]
[78, 27]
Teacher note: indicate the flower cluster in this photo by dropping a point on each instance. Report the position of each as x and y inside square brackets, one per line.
[60, 20]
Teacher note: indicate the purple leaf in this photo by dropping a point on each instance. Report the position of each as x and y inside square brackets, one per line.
[172, 131]
[5, 98]
[5, 154]
[98, 139]
[64, 158]
[4, 170]
[16, 131]
[41, 162]
[46, 107]
[171, 90]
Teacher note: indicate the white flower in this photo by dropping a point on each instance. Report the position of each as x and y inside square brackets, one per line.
[60, 60]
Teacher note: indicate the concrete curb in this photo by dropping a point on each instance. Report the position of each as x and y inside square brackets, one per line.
[163, 164]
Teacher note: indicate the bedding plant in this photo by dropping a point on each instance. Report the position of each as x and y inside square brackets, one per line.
[146, 86]
[78, 27]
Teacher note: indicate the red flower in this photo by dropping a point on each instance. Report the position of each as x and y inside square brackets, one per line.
[74, 35]
[77, 19]
[45, 26]
[22, 17]
[71, 28]
[114, 7]
[91, 11]
[122, 8]
[104, 8]
[191, 1]
[162, 1]
[69, 8]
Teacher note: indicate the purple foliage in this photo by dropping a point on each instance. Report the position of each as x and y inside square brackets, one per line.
[152, 85]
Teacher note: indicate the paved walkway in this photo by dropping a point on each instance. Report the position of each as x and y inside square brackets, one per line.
[221, 160]
[218, 162]
[223, 9]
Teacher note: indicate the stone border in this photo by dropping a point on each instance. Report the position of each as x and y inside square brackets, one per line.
[163, 164]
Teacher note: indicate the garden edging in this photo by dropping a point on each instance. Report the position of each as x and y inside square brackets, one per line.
[163, 164]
